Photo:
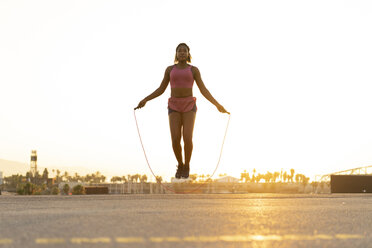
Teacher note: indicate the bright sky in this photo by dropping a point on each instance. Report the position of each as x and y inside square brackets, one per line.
[295, 75]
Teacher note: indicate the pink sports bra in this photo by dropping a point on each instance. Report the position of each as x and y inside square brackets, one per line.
[181, 78]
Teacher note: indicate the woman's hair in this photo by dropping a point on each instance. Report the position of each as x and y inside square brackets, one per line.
[188, 49]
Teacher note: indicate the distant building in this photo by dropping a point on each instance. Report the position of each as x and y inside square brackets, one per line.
[227, 179]
[71, 184]
[1, 177]
[50, 182]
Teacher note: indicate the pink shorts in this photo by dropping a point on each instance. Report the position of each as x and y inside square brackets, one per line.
[182, 105]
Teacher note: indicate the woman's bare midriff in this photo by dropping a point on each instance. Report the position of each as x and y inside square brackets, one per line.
[181, 92]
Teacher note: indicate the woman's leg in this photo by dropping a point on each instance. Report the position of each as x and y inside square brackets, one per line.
[188, 120]
[175, 124]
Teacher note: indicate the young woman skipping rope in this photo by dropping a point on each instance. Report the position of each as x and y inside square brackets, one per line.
[182, 104]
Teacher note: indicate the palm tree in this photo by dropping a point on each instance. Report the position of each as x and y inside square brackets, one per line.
[58, 179]
[298, 178]
[281, 175]
[138, 177]
[66, 176]
[253, 179]
[259, 177]
[275, 176]
[37, 177]
[143, 178]
[292, 174]
[28, 175]
[305, 180]
[159, 179]
[193, 177]
[285, 176]
[124, 179]
[89, 178]
[267, 177]
[115, 179]
[102, 179]
[244, 176]
[98, 177]
[314, 185]
[45, 174]
[133, 178]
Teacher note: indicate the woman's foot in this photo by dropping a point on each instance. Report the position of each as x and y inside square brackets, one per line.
[186, 171]
[179, 171]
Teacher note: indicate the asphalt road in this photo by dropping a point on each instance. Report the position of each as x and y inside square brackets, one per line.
[216, 220]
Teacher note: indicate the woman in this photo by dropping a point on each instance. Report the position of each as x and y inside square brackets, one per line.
[182, 105]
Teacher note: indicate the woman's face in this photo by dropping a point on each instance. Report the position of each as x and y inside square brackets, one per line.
[182, 54]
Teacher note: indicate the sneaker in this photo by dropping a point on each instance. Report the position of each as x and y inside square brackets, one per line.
[179, 171]
[186, 171]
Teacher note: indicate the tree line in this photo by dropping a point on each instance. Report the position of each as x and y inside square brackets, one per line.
[97, 177]
[273, 177]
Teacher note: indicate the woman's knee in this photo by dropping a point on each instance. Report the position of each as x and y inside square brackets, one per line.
[176, 140]
[187, 141]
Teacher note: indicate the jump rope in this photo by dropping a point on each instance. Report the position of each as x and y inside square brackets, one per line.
[168, 188]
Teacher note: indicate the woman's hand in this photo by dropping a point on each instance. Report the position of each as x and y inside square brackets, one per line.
[141, 104]
[222, 109]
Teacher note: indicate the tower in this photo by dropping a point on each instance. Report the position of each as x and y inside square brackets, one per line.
[33, 163]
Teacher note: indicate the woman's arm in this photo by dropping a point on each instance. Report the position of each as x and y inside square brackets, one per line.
[205, 92]
[163, 86]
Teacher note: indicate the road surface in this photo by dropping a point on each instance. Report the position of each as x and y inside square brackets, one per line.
[171, 220]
